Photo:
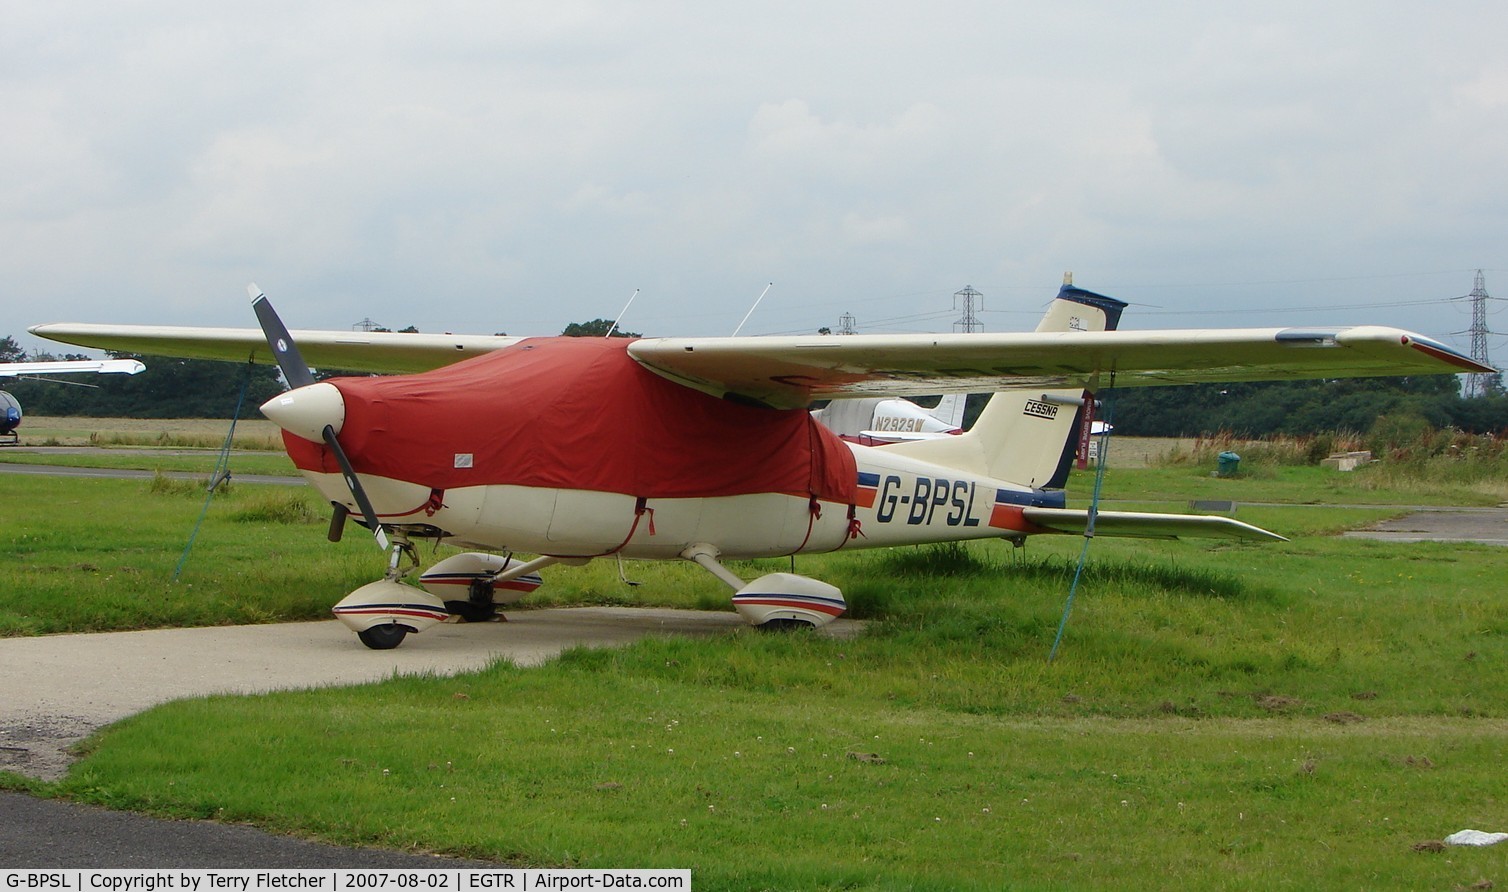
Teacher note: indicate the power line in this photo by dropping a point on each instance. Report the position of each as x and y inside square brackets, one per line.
[969, 323]
[1247, 311]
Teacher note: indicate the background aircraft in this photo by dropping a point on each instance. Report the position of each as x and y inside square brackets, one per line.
[10, 407]
[874, 422]
[703, 449]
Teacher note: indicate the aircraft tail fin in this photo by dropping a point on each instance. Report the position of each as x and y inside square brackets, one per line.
[1023, 436]
[949, 409]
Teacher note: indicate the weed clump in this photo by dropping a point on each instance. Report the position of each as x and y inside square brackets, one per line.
[163, 485]
[277, 507]
[944, 559]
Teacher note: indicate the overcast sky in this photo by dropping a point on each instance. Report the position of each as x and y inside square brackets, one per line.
[512, 167]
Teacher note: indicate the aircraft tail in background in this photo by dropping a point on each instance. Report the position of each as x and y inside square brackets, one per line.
[949, 409]
[1023, 436]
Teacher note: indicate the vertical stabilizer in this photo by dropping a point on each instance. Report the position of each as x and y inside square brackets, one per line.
[949, 409]
[1021, 436]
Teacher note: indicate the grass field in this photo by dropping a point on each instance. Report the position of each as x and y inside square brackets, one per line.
[253, 432]
[1294, 715]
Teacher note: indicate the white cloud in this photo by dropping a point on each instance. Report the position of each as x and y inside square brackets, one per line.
[891, 229]
[466, 166]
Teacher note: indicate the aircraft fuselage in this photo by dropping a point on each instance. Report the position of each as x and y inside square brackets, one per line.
[899, 501]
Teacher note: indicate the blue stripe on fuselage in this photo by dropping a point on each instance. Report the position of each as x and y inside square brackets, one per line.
[1036, 498]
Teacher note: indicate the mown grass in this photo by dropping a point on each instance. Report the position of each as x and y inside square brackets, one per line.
[640, 758]
[191, 461]
[1293, 715]
[100, 555]
[1286, 484]
[251, 433]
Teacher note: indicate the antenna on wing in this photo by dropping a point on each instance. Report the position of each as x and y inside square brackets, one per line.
[614, 327]
[753, 308]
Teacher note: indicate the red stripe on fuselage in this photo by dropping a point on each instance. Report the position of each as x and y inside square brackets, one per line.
[828, 609]
[1008, 517]
[388, 611]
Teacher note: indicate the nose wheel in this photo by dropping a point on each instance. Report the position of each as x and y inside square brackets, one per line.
[389, 635]
[383, 637]
[382, 613]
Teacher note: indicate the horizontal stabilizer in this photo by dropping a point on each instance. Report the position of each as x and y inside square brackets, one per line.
[1137, 524]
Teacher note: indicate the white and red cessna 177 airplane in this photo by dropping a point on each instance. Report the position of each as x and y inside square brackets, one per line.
[702, 449]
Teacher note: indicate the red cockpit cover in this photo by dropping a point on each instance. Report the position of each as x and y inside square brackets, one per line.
[577, 413]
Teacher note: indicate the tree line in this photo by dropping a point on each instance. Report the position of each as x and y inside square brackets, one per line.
[1259, 409]
[169, 388]
[1263, 408]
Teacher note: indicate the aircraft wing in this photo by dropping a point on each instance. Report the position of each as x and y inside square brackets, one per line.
[72, 366]
[358, 351]
[792, 371]
[1136, 524]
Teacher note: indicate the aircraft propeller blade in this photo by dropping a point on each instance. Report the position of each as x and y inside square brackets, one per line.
[354, 485]
[297, 374]
[290, 361]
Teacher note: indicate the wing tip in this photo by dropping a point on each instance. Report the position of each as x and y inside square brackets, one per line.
[1445, 354]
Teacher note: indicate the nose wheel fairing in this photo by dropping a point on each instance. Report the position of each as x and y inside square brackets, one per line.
[780, 599]
[774, 600]
[388, 602]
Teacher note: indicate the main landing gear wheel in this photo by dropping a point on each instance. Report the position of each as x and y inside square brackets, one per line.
[472, 612]
[786, 625]
[384, 637]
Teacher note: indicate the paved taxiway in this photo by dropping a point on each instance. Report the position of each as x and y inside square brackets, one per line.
[61, 688]
[48, 833]
[1480, 526]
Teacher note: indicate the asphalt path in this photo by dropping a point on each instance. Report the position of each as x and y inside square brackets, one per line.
[48, 833]
[1480, 526]
[61, 688]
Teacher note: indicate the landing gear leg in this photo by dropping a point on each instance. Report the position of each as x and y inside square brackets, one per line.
[478, 606]
[397, 566]
[774, 601]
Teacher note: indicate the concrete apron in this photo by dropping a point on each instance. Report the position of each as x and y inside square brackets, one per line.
[62, 688]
